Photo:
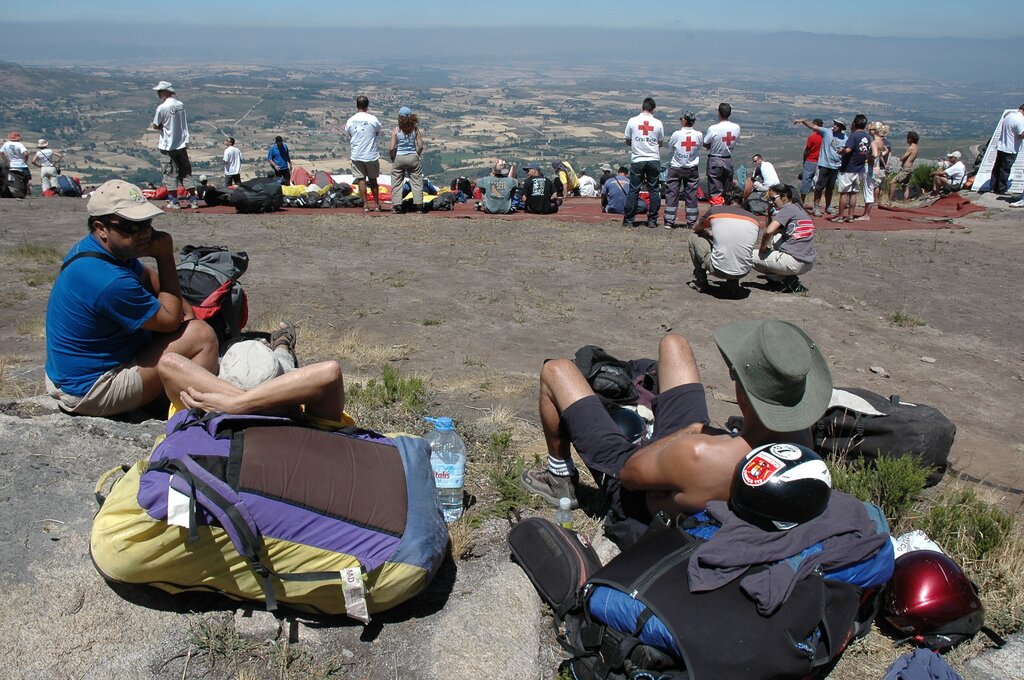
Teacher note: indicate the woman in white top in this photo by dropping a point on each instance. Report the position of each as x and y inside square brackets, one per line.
[406, 151]
[46, 159]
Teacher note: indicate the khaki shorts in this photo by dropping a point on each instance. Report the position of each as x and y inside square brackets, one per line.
[850, 182]
[366, 169]
[119, 390]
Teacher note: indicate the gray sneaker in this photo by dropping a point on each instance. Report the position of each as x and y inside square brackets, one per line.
[550, 487]
[830, 210]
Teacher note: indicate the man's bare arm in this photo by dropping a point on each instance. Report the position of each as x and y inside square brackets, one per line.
[680, 466]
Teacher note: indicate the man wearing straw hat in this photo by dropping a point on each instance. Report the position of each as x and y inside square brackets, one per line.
[783, 386]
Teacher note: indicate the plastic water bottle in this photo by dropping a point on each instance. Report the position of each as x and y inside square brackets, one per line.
[448, 459]
[563, 517]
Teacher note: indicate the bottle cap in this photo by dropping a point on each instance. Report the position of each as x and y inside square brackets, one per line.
[564, 503]
[443, 423]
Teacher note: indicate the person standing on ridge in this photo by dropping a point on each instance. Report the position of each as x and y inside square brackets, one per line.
[832, 140]
[172, 123]
[719, 140]
[644, 135]
[232, 163]
[363, 129]
[405, 152]
[684, 171]
[280, 160]
[46, 159]
[812, 150]
[1011, 132]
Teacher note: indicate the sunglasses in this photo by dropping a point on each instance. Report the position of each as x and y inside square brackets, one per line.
[128, 226]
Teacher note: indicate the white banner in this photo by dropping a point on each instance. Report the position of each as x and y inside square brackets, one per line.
[981, 181]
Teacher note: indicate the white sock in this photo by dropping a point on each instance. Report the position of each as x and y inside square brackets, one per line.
[561, 468]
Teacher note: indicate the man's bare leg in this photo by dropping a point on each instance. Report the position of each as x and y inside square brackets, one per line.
[361, 183]
[375, 190]
[195, 341]
[320, 387]
[561, 385]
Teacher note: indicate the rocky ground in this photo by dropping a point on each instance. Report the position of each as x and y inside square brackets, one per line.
[473, 306]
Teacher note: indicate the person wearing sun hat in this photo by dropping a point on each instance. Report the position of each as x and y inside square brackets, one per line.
[14, 158]
[783, 386]
[950, 177]
[47, 160]
[110, 318]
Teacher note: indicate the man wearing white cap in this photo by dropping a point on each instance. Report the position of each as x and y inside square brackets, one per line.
[950, 178]
[110, 318]
[46, 160]
[170, 120]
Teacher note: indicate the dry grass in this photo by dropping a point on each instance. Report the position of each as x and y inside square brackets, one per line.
[13, 385]
[34, 253]
[34, 327]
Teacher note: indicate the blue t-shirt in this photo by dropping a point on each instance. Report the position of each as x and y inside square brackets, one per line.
[830, 146]
[277, 157]
[616, 188]
[94, 318]
[859, 143]
[405, 143]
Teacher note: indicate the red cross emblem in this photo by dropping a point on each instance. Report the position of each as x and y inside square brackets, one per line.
[645, 127]
[728, 139]
[688, 144]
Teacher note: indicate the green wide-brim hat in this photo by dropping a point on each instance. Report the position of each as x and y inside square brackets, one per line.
[782, 371]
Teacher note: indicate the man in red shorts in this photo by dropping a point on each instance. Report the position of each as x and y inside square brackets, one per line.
[783, 386]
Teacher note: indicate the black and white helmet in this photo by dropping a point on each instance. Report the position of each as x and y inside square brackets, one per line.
[778, 486]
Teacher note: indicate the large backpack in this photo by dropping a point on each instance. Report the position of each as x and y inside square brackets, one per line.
[208, 276]
[18, 183]
[255, 196]
[68, 186]
[863, 424]
[266, 509]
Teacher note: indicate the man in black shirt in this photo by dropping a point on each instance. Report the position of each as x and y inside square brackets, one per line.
[538, 192]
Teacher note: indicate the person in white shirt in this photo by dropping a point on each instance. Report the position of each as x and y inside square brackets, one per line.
[46, 160]
[14, 158]
[1011, 133]
[950, 178]
[761, 179]
[588, 185]
[232, 163]
[363, 128]
[172, 123]
[684, 171]
[719, 140]
[644, 135]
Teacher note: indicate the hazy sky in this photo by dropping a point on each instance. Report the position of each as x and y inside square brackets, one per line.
[914, 18]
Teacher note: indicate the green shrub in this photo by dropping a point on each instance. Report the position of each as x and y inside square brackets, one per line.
[964, 524]
[391, 390]
[893, 484]
[922, 176]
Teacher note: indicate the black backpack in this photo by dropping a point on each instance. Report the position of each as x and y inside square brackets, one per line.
[902, 429]
[609, 377]
[257, 196]
[208, 276]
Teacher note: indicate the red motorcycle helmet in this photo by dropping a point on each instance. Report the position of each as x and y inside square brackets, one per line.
[931, 601]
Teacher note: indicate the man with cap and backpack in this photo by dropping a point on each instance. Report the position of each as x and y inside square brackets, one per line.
[110, 318]
[172, 123]
[783, 386]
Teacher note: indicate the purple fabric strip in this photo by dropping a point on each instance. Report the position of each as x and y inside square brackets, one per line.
[277, 519]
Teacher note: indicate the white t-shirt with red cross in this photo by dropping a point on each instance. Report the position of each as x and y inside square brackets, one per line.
[721, 138]
[686, 143]
[644, 134]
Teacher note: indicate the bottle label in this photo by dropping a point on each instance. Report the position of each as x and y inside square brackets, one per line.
[448, 475]
[567, 524]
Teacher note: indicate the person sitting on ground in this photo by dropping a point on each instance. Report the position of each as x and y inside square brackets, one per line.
[787, 246]
[567, 182]
[497, 189]
[47, 160]
[761, 179]
[588, 185]
[722, 244]
[606, 174]
[538, 192]
[951, 177]
[614, 193]
[110, 318]
[783, 386]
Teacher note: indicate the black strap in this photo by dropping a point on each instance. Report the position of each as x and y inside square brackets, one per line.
[993, 636]
[92, 253]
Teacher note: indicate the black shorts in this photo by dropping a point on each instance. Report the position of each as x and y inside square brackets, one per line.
[603, 446]
[826, 178]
